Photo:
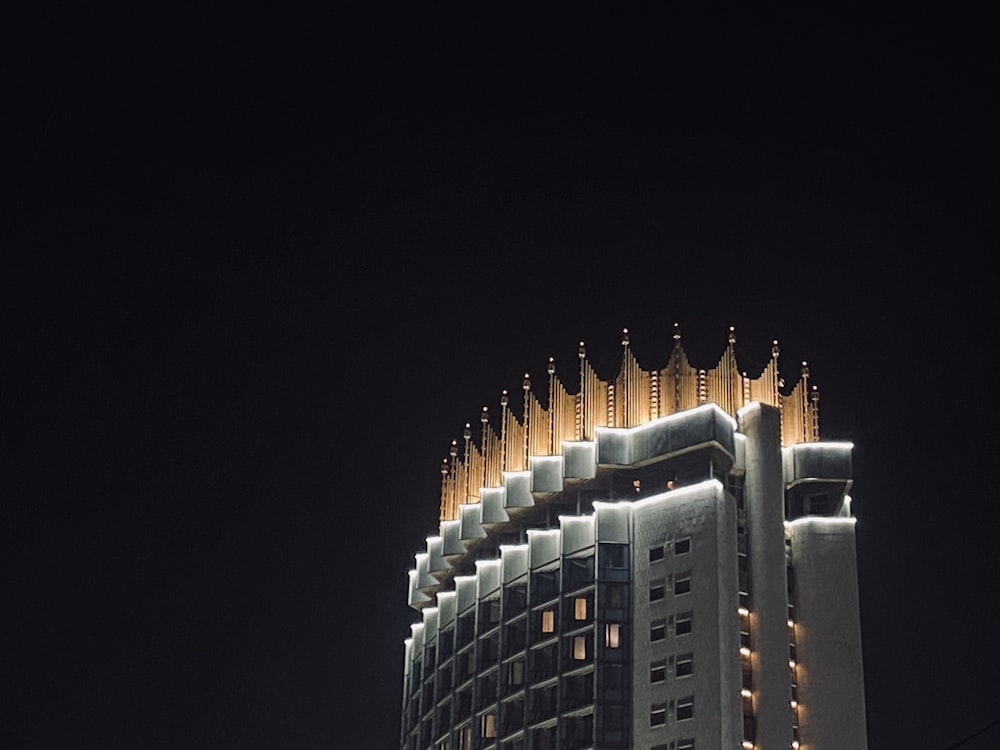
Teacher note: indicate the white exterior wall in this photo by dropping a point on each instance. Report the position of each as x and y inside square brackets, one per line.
[763, 492]
[828, 634]
[707, 515]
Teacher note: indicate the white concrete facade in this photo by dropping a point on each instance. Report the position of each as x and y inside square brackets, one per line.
[584, 605]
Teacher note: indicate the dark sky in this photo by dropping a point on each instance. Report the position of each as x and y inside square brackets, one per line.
[258, 285]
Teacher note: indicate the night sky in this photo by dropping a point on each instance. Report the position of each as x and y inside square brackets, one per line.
[256, 287]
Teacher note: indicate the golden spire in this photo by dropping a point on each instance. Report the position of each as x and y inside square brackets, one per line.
[633, 397]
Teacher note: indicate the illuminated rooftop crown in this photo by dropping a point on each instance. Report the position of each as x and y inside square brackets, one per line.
[633, 397]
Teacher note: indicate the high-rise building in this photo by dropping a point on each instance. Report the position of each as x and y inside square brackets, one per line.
[664, 560]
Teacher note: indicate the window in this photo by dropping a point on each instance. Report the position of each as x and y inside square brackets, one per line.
[657, 589]
[549, 621]
[465, 738]
[684, 665]
[682, 625]
[613, 555]
[656, 553]
[682, 584]
[515, 672]
[657, 630]
[682, 546]
[658, 671]
[613, 635]
[489, 725]
[685, 708]
[580, 647]
[580, 608]
[687, 744]
[658, 715]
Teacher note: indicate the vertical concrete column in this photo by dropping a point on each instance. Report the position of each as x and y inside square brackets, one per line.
[763, 492]
[831, 691]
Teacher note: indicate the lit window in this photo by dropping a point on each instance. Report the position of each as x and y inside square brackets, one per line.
[683, 623]
[549, 621]
[685, 708]
[612, 635]
[658, 715]
[489, 724]
[656, 553]
[684, 665]
[682, 584]
[580, 647]
[658, 671]
[657, 590]
[657, 630]
[465, 738]
[580, 608]
[682, 546]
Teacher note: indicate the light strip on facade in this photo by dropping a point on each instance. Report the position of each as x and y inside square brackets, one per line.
[823, 520]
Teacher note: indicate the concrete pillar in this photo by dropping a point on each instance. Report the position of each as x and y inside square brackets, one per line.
[763, 492]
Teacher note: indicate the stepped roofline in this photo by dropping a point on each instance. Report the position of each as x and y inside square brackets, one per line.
[634, 396]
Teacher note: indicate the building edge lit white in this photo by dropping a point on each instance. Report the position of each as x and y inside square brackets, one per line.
[668, 578]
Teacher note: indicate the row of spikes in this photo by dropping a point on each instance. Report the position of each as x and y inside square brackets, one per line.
[635, 396]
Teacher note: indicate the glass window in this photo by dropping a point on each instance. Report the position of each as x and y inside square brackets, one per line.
[613, 555]
[615, 595]
[657, 590]
[658, 715]
[685, 708]
[613, 635]
[682, 546]
[489, 725]
[656, 553]
[684, 665]
[548, 621]
[658, 671]
[515, 672]
[682, 584]
[657, 630]
[580, 608]
[682, 625]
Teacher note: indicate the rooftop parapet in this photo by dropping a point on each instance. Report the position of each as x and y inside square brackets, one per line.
[634, 396]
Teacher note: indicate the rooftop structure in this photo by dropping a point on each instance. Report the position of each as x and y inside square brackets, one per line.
[662, 560]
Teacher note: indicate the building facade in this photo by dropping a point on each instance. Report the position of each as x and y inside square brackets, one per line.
[664, 561]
